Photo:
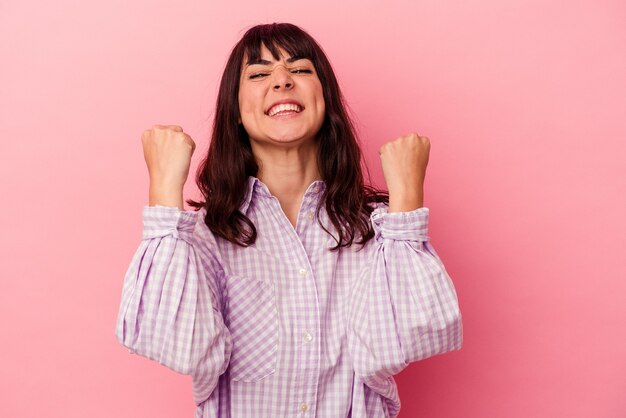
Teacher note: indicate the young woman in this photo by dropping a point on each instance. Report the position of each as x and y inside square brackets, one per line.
[292, 288]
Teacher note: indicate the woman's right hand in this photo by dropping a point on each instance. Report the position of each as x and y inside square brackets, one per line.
[167, 151]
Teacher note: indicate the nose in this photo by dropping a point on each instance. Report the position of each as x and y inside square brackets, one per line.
[282, 77]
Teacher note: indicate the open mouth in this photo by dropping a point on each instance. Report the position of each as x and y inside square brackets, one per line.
[284, 111]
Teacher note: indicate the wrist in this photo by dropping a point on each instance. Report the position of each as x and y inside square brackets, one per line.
[405, 202]
[166, 195]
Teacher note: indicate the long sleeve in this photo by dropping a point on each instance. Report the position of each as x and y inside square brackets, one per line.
[170, 306]
[403, 306]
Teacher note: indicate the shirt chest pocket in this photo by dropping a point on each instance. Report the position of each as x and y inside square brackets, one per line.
[252, 319]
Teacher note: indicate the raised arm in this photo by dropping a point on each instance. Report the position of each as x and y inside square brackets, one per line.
[170, 309]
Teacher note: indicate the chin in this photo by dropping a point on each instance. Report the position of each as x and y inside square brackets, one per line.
[288, 137]
[287, 140]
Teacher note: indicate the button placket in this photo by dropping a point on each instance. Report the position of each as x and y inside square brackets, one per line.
[303, 271]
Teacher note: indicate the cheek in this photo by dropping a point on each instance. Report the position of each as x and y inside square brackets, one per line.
[321, 105]
[249, 103]
[319, 97]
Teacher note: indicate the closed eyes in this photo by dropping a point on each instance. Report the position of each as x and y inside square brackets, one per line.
[295, 71]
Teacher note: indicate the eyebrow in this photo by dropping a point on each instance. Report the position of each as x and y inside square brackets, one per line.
[266, 62]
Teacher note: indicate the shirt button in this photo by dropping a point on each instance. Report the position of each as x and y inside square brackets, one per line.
[304, 407]
[307, 337]
[316, 189]
[309, 216]
[302, 272]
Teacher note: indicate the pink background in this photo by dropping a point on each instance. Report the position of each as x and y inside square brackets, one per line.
[524, 103]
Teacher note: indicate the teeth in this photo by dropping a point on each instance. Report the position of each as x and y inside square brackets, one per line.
[282, 107]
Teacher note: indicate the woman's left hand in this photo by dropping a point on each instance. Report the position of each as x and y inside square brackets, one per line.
[404, 162]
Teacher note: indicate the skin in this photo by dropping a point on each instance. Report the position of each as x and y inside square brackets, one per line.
[285, 148]
[167, 151]
[404, 162]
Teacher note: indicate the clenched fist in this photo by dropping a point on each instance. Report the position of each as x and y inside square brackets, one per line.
[167, 151]
[404, 162]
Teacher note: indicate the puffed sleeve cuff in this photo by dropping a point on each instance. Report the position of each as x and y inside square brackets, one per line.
[403, 226]
[161, 221]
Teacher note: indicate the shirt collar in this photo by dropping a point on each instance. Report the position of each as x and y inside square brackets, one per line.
[256, 188]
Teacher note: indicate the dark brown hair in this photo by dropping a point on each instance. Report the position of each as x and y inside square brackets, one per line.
[222, 176]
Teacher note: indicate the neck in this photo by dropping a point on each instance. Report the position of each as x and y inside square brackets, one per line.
[287, 172]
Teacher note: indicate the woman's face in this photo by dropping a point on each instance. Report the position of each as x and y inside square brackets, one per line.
[263, 84]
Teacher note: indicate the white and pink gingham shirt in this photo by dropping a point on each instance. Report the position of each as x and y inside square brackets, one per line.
[285, 327]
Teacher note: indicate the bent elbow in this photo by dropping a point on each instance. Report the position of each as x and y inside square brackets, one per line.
[441, 339]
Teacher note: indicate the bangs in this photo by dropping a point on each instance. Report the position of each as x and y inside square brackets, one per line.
[292, 39]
